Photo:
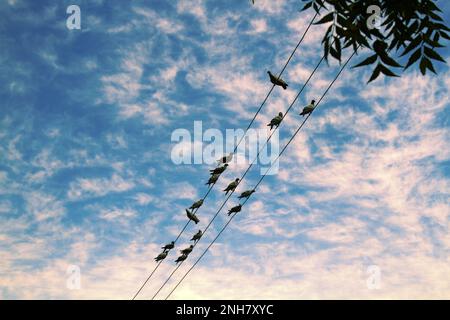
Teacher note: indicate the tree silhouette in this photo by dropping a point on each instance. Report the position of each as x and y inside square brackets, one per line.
[404, 29]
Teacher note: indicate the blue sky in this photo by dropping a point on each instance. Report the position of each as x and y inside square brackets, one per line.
[86, 176]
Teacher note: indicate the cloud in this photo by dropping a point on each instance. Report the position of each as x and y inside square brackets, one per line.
[96, 187]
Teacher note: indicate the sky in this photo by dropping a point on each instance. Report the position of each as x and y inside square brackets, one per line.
[358, 209]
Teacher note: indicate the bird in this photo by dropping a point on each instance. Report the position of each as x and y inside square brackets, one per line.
[308, 109]
[169, 246]
[219, 170]
[197, 204]
[246, 194]
[275, 122]
[197, 236]
[225, 159]
[187, 250]
[181, 258]
[213, 179]
[161, 256]
[235, 209]
[231, 186]
[192, 216]
[277, 81]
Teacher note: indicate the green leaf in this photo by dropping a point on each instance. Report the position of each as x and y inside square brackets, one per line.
[433, 54]
[367, 61]
[414, 57]
[327, 18]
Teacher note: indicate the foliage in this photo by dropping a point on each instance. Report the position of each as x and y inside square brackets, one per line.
[409, 29]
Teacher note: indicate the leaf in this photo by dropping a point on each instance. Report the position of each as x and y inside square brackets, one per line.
[412, 45]
[367, 61]
[387, 72]
[375, 73]
[423, 66]
[307, 6]
[433, 54]
[327, 18]
[429, 66]
[335, 54]
[389, 61]
[414, 57]
[444, 35]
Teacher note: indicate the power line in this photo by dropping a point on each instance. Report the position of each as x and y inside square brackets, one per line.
[250, 166]
[263, 176]
[235, 149]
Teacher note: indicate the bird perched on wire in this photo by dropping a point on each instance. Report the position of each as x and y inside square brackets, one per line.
[225, 159]
[309, 108]
[181, 258]
[213, 179]
[192, 216]
[277, 81]
[187, 250]
[232, 186]
[246, 194]
[275, 122]
[197, 204]
[235, 209]
[161, 256]
[219, 170]
[169, 246]
[197, 236]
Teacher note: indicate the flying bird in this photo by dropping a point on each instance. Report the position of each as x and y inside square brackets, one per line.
[181, 258]
[246, 194]
[197, 204]
[231, 186]
[277, 81]
[213, 179]
[192, 216]
[197, 236]
[309, 108]
[275, 122]
[187, 250]
[225, 159]
[219, 170]
[169, 246]
[161, 256]
[235, 209]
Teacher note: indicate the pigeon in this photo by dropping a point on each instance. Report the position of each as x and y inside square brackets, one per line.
[192, 216]
[197, 204]
[308, 109]
[275, 122]
[231, 186]
[225, 159]
[169, 246]
[197, 236]
[181, 258]
[235, 209]
[246, 194]
[161, 256]
[187, 250]
[219, 170]
[213, 179]
[277, 81]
